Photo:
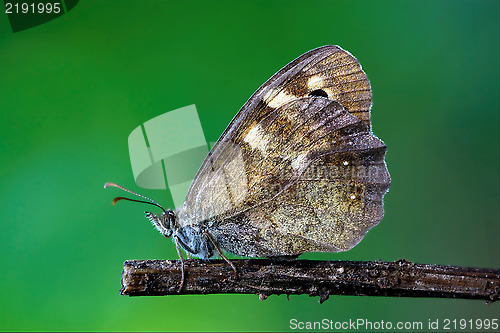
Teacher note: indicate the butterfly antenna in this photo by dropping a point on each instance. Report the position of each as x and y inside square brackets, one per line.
[150, 201]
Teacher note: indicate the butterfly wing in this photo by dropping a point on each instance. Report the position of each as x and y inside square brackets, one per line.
[295, 171]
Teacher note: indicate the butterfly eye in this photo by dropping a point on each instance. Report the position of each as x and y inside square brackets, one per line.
[318, 92]
[168, 219]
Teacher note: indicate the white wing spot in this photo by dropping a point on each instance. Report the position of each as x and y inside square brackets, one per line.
[353, 196]
[315, 82]
[281, 98]
[256, 138]
[346, 163]
[300, 161]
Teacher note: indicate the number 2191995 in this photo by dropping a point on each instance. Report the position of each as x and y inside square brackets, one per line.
[32, 8]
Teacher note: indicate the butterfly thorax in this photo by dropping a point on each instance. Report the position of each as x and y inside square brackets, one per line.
[191, 237]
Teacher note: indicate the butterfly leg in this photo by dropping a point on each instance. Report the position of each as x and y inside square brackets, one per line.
[222, 254]
[182, 263]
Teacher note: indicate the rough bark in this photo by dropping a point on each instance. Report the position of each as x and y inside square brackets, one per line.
[265, 277]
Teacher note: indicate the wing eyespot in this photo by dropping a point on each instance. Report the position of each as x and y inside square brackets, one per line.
[318, 92]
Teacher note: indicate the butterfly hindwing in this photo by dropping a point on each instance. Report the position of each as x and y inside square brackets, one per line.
[320, 190]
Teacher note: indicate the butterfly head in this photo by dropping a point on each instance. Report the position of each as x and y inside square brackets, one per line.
[166, 223]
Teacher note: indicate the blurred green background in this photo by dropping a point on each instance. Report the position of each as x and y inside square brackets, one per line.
[72, 90]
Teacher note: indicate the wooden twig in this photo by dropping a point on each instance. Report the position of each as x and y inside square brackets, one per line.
[316, 278]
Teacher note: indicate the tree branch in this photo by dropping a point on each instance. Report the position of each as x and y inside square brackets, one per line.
[317, 278]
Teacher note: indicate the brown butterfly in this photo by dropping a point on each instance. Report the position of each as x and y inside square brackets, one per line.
[297, 169]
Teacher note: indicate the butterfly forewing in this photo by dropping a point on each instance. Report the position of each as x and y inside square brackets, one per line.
[328, 68]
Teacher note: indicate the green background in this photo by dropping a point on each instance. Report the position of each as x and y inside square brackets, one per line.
[72, 90]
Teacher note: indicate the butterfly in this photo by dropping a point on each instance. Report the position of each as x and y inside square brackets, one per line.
[297, 170]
